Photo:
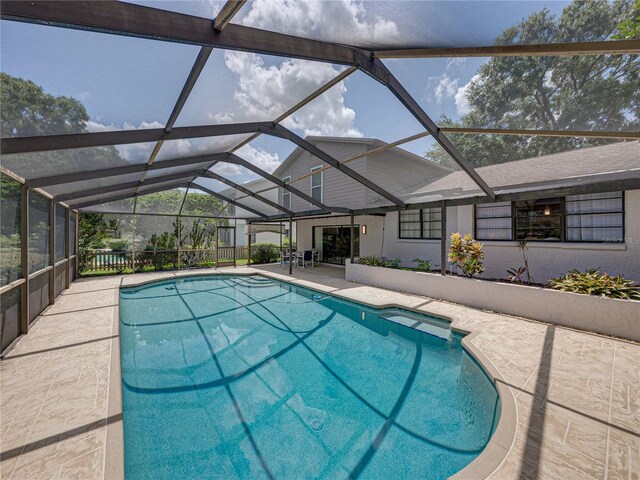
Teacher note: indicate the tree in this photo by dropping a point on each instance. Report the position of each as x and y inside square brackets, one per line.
[629, 29]
[599, 92]
[92, 230]
[28, 110]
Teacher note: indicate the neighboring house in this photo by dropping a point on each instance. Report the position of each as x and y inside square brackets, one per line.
[267, 190]
[563, 233]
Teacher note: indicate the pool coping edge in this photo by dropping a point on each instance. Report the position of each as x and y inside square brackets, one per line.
[485, 464]
[114, 447]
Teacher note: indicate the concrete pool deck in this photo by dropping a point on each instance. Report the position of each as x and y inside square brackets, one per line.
[576, 395]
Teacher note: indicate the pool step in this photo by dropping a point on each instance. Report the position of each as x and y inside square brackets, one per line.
[251, 282]
[437, 328]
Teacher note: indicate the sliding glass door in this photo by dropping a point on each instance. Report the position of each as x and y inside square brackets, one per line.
[333, 243]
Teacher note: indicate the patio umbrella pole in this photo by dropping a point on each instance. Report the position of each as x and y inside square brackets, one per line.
[352, 238]
[290, 245]
[280, 236]
[249, 243]
[443, 238]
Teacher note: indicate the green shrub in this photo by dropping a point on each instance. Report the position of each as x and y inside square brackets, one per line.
[592, 282]
[373, 261]
[423, 265]
[118, 245]
[467, 254]
[264, 253]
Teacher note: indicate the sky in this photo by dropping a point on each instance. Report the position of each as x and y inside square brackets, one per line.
[128, 83]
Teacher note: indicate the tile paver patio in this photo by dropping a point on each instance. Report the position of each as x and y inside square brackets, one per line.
[577, 394]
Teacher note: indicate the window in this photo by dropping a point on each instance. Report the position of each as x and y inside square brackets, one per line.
[577, 218]
[493, 221]
[316, 184]
[420, 224]
[539, 219]
[595, 218]
[410, 225]
[286, 194]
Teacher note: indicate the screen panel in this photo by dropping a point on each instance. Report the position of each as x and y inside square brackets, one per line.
[238, 87]
[174, 170]
[10, 225]
[430, 24]
[77, 81]
[358, 106]
[155, 233]
[39, 231]
[198, 202]
[167, 202]
[56, 162]
[78, 187]
[571, 92]
[115, 206]
[198, 8]
[190, 147]
[60, 279]
[60, 232]
[72, 233]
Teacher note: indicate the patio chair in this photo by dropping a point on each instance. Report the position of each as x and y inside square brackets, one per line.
[306, 259]
[284, 258]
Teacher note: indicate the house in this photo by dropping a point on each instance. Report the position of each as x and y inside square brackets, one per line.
[260, 232]
[563, 232]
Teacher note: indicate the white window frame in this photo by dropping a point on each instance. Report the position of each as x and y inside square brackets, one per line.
[321, 186]
[286, 193]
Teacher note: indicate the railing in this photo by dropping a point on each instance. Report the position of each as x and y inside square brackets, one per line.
[100, 262]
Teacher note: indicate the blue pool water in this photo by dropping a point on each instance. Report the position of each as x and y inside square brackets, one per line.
[246, 377]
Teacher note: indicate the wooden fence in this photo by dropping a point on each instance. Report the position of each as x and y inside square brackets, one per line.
[123, 262]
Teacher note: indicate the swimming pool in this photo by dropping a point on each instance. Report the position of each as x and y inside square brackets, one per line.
[248, 377]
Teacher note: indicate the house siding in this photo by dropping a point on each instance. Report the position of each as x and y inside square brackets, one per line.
[406, 174]
[338, 188]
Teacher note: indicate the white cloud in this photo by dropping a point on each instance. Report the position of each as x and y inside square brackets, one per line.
[455, 61]
[139, 152]
[268, 91]
[443, 87]
[221, 117]
[226, 169]
[462, 102]
[259, 157]
[135, 152]
[339, 20]
[265, 91]
[327, 116]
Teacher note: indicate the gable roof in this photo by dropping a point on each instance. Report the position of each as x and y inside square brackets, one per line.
[373, 142]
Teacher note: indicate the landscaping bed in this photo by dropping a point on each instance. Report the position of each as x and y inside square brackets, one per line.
[609, 316]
